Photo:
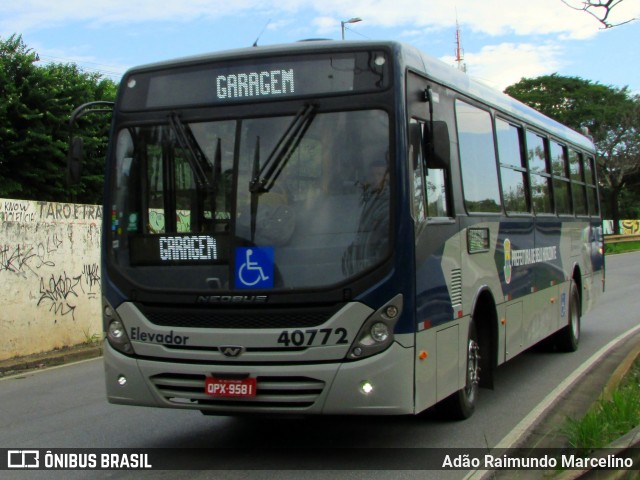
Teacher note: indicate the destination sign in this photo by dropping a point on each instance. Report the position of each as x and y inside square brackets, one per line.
[218, 83]
[196, 247]
[254, 84]
[177, 249]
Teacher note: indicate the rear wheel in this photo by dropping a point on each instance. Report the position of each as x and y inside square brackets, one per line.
[568, 338]
[462, 404]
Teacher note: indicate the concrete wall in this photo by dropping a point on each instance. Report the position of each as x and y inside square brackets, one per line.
[49, 276]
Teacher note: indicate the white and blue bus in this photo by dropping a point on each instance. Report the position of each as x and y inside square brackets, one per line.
[336, 228]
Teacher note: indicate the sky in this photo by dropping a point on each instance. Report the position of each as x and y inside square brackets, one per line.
[502, 40]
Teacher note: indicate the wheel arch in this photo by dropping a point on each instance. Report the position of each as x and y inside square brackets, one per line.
[576, 278]
[485, 317]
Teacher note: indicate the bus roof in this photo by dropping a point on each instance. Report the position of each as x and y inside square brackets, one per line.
[409, 56]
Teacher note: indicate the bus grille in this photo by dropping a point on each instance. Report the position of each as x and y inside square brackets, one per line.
[278, 392]
[238, 318]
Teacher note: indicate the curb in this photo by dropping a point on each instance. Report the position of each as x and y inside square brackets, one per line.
[574, 399]
[38, 361]
[627, 444]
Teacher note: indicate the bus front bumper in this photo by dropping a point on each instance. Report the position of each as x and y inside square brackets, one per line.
[378, 385]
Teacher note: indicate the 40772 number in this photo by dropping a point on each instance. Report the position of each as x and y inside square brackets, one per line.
[313, 337]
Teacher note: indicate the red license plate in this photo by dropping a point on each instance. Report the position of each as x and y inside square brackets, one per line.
[224, 387]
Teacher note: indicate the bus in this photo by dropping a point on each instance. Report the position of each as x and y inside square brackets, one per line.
[336, 228]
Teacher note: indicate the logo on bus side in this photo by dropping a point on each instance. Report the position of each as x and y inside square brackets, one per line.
[507, 261]
[527, 256]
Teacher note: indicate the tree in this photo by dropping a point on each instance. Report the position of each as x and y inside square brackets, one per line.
[35, 103]
[599, 9]
[611, 115]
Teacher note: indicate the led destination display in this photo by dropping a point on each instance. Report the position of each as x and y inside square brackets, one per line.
[279, 77]
[178, 249]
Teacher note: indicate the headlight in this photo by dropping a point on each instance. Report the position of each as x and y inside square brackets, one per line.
[380, 332]
[376, 333]
[116, 331]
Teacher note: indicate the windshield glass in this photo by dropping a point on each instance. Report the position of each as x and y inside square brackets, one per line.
[266, 203]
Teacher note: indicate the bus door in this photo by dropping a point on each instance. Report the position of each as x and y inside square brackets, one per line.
[438, 277]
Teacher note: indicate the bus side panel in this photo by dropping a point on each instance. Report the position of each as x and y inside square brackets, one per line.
[438, 307]
[516, 234]
[592, 255]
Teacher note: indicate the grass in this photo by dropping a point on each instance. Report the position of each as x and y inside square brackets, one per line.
[89, 339]
[621, 247]
[610, 418]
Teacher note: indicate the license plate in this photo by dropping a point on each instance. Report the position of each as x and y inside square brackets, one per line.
[224, 387]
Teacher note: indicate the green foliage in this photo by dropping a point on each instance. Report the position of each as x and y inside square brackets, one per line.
[35, 104]
[610, 418]
[613, 248]
[612, 116]
[572, 101]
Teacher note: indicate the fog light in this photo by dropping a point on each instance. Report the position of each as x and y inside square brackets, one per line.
[366, 388]
[122, 380]
[380, 332]
[391, 311]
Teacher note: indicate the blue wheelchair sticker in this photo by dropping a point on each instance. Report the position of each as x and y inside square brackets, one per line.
[254, 267]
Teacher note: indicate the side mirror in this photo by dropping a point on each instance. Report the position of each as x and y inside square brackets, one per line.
[437, 145]
[75, 161]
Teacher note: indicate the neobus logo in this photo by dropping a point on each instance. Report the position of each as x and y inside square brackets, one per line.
[232, 299]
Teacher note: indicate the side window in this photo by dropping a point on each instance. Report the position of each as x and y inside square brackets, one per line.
[540, 176]
[592, 187]
[417, 177]
[430, 191]
[561, 185]
[437, 204]
[513, 169]
[478, 159]
[578, 188]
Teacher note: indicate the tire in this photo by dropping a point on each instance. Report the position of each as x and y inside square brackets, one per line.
[568, 339]
[462, 403]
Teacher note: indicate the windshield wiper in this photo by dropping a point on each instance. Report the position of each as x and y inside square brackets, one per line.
[283, 150]
[195, 156]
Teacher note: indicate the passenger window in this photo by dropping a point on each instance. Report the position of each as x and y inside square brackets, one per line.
[578, 188]
[541, 193]
[592, 187]
[561, 183]
[478, 159]
[513, 169]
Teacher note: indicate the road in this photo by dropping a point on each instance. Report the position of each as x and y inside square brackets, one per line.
[65, 407]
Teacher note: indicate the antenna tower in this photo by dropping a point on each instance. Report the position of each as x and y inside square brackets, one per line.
[459, 50]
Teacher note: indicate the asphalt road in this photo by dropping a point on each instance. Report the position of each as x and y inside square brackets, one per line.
[65, 407]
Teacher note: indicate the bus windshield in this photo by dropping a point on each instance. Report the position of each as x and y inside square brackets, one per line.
[284, 202]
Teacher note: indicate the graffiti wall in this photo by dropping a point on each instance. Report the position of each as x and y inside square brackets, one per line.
[627, 227]
[49, 275]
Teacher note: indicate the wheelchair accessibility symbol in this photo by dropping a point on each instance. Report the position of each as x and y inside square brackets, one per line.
[254, 267]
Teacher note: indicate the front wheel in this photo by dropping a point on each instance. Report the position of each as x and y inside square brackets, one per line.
[462, 403]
